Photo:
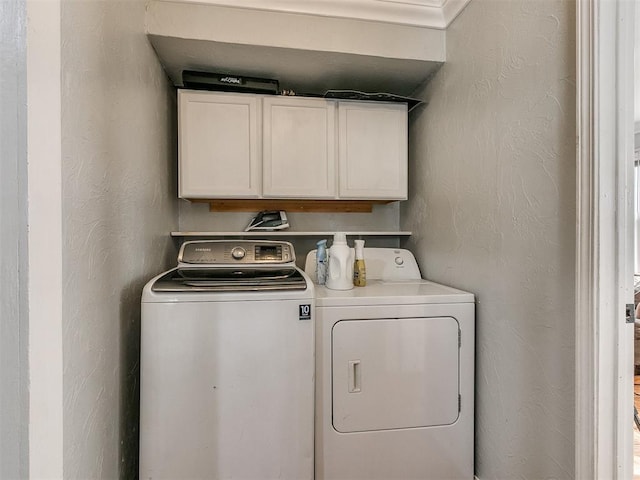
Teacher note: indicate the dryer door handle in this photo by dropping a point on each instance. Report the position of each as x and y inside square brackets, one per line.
[355, 375]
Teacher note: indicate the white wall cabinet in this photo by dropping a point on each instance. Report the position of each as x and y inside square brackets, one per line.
[299, 153]
[218, 145]
[243, 146]
[372, 150]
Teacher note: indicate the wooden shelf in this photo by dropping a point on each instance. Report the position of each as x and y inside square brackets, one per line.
[316, 206]
[289, 233]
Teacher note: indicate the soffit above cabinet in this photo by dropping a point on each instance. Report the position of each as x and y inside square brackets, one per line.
[310, 52]
[421, 13]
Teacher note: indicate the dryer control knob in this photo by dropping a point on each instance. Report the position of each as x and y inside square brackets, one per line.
[238, 253]
[399, 260]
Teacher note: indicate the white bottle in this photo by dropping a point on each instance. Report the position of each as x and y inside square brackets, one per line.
[340, 274]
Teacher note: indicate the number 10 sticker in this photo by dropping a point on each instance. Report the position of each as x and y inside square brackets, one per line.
[305, 312]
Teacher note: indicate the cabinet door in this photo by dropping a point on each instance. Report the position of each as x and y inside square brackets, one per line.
[218, 145]
[373, 150]
[299, 147]
[394, 373]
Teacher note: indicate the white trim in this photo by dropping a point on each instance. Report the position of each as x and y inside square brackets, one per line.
[604, 400]
[625, 229]
[45, 239]
[586, 375]
[451, 9]
[436, 14]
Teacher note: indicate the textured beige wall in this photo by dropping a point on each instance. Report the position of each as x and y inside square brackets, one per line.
[14, 371]
[119, 203]
[492, 207]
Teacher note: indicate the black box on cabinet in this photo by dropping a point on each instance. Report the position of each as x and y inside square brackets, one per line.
[228, 82]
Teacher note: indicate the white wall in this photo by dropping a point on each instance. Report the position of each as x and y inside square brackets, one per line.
[636, 80]
[636, 118]
[119, 204]
[492, 207]
[13, 235]
[44, 171]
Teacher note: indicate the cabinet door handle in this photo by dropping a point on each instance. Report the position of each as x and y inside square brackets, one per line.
[354, 376]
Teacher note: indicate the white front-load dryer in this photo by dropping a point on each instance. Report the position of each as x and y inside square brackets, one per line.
[394, 376]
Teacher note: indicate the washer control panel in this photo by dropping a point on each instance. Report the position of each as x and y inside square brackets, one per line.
[236, 252]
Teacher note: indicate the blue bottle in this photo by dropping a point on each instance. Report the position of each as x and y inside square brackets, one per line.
[321, 262]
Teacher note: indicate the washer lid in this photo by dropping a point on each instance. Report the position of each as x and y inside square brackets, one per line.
[230, 280]
[379, 292]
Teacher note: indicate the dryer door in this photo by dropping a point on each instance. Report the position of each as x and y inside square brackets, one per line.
[395, 373]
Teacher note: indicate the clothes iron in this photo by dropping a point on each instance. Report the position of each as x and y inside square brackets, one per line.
[268, 220]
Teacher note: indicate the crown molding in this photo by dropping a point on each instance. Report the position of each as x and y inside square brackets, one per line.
[437, 14]
[451, 9]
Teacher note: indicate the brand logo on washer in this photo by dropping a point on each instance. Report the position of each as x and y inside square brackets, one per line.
[304, 312]
[201, 249]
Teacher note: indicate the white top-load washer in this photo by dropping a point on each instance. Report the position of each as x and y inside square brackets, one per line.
[227, 365]
[394, 375]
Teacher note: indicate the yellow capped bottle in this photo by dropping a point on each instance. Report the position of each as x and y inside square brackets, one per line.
[359, 269]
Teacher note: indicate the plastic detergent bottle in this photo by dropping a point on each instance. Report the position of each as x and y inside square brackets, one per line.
[340, 274]
[321, 262]
[359, 270]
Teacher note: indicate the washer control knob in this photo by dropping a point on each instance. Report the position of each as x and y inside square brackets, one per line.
[238, 253]
[399, 260]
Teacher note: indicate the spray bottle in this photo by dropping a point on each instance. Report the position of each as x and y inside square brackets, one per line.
[321, 262]
[359, 269]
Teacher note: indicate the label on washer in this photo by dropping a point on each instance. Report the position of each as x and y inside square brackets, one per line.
[304, 311]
